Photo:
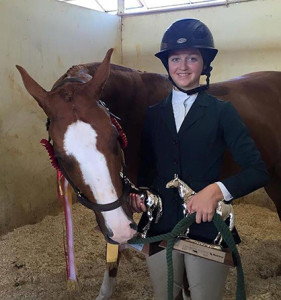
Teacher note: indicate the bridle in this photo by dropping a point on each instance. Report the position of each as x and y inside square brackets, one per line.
[127, 185]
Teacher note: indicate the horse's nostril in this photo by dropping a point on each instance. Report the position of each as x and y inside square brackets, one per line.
[134, 226]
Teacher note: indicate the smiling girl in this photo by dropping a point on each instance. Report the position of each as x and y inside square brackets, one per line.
[187, 134]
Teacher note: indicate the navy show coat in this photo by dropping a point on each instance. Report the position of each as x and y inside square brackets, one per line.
[196, 153]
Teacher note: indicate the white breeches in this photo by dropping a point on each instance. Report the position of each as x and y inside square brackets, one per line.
[206, 278]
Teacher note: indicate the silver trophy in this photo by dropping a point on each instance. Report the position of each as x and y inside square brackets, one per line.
[152, 202]
[185, 193]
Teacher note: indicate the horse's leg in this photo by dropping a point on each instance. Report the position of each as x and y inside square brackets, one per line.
[273, 189]
[109, 280]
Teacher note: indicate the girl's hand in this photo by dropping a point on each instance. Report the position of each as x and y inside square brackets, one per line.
[136, 203]
[205, 203]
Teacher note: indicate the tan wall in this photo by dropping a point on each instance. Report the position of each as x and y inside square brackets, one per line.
[46, 37]
[248, 36]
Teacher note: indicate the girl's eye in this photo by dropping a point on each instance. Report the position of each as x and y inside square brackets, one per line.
[193, 59]
[175, 59]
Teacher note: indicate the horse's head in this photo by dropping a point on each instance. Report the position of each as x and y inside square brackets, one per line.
[86, 143]
[174, 183]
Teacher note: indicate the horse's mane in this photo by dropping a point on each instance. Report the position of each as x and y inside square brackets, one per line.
[92, 67]
[76, 73]
[124, 69]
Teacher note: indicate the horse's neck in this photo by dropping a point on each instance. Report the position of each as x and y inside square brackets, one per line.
[182, 184]
[128, 85]
[184, 189]
[124, 84]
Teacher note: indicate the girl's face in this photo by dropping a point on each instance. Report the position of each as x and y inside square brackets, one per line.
[185, 67]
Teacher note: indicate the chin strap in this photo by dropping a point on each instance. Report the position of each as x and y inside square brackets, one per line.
[192, 91]
[207, 72]
[195, 90]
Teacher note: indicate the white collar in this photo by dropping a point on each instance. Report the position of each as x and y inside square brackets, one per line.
[180, 97]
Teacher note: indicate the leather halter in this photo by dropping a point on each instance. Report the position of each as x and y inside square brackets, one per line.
[127, 187]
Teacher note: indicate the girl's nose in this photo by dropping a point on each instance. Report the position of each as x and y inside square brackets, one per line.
[184, 64]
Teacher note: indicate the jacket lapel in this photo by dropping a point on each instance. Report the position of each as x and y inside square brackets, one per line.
[167, 114]
[196, 112]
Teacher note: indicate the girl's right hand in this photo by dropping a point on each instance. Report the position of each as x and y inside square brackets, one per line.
[136, 203]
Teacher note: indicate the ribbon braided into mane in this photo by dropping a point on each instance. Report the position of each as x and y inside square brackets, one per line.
[51, 152]
[122, 136]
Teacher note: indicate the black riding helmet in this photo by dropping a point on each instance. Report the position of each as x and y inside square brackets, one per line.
[189, 33]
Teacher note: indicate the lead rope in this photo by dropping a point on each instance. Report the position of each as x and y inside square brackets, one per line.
[180, 228]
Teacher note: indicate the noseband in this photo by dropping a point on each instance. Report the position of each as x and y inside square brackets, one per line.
[94, 206]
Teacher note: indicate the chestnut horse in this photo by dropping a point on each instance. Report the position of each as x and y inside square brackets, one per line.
[256, 96]
[87, 148]
[86, 142]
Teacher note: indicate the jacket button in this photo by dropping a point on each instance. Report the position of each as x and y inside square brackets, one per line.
[175, 142]
[176, 161]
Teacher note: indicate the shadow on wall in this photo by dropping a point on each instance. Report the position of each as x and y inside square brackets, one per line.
[27, 180]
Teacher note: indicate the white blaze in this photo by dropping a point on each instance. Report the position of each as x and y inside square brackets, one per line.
[80, 141]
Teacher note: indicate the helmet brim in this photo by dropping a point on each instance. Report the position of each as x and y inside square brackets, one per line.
[207, 53]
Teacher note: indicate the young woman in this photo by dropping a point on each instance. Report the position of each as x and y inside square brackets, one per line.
[187, 134]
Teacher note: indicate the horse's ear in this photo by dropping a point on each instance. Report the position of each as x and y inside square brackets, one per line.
[34, 89]
[97, 83]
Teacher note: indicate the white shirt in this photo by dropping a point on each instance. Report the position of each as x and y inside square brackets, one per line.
[180, 110]
[182, 103]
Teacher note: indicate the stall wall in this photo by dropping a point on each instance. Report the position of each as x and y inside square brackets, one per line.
[46, 37]
[247, 35]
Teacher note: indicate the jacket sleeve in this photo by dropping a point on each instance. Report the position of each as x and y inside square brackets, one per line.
[253, 174]
[147, 167]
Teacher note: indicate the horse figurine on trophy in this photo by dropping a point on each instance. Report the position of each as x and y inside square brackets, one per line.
[185, 192]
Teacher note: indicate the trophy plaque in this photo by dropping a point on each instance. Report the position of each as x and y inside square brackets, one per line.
[204, 250]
